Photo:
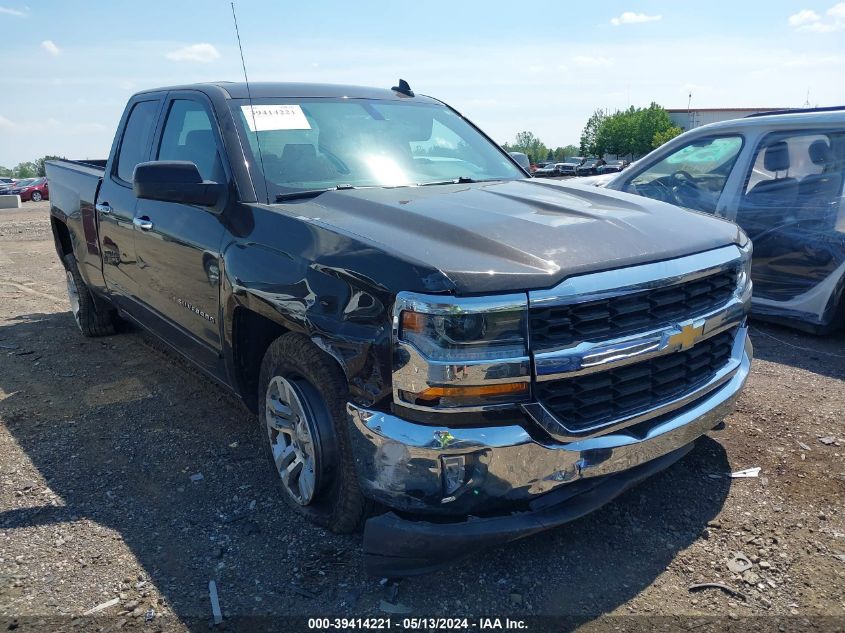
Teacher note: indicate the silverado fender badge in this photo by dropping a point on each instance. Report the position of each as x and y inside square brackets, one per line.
[189, 306]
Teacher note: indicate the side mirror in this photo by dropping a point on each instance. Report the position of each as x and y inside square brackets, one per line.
[175, 181]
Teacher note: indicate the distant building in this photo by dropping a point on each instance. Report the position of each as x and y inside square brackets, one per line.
[696, 117]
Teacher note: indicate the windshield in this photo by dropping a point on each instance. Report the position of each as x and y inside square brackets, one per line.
[309, 144]
[24, 183]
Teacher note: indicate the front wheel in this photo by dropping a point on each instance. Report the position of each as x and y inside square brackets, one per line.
[302, 413]
[36, 196]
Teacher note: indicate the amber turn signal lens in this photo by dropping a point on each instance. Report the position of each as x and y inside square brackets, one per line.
[475, 391]
[412, 321]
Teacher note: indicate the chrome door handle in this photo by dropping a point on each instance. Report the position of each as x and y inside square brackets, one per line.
[103, 207]
[142, 223]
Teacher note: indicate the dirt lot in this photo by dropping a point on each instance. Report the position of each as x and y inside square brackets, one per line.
[99, 440]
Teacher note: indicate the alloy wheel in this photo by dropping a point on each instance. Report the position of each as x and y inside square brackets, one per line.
[294, 439]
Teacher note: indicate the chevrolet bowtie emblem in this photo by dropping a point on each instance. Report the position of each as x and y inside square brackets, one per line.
[687, 337]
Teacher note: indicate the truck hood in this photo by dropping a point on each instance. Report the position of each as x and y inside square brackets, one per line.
[515, 235]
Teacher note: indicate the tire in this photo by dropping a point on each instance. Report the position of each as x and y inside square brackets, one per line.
[302, 389]
[837, 322]
[94, 318]
[36, 196]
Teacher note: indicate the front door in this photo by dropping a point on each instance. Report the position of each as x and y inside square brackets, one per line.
[178, 245]
[789, 207]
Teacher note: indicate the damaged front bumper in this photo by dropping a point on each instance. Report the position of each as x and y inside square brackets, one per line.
[518, 482]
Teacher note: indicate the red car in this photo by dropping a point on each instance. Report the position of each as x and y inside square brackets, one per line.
[34, 190]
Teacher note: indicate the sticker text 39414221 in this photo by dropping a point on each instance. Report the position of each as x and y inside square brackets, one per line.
[263, 118]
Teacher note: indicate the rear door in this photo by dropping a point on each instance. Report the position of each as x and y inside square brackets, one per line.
[178, 245]
[116, 201]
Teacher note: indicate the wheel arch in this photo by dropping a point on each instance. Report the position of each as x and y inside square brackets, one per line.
[253, 320]
[61, 237]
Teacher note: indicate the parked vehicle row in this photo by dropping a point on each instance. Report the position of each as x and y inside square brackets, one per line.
[485, 353]
[612, 167]
[34, 189]
[577, 166]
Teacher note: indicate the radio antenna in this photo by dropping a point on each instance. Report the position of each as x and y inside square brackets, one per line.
[249, 95]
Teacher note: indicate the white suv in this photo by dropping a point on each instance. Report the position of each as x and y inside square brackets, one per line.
[780, 177]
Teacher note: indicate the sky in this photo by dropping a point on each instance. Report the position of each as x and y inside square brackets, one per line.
[67, 67]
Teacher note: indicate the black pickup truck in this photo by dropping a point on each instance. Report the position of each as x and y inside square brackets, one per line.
[435, 345]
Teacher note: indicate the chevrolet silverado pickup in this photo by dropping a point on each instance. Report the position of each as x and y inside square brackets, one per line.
[435, 345]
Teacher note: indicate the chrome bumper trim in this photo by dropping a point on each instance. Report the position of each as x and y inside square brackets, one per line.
[618, 282]
[399, 462]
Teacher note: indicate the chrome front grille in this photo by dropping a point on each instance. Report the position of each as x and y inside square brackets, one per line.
[591, 400]
[561, 325]
[617, 348]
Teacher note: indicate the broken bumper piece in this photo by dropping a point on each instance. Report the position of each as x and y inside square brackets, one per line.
[396, 547]
[518, 481]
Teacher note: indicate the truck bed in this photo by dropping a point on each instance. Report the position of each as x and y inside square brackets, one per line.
[73, 184]
[73, 193]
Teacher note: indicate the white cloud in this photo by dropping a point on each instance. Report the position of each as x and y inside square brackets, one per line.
[629, 17]
[489, 83]
[15, 12]
[805, 16]
[809, 20]
[50, 47]
[5, 123]
[591, 62]
[202, 52]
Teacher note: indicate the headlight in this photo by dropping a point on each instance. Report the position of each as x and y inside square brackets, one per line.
[453, 353]
[465, 336]
[743, 278]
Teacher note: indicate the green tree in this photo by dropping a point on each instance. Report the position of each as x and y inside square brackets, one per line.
[650, 121]
[5, 171]
[665, 135]
[565, 152]
[631, 132]
[528, 143]
[590, 135]
[616, 134]
[39, 164]
[26, 170]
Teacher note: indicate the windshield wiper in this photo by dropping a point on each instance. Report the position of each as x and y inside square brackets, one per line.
[309, 193]
[460, 180]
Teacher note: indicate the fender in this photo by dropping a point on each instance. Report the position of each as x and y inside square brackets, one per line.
[340, 299]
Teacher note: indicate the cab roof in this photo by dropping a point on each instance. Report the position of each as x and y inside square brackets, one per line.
[798, 118]
[265, 90]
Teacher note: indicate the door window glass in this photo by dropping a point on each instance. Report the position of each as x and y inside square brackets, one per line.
[796, 177]
[136, 138]
[692, 176]
[188, 136]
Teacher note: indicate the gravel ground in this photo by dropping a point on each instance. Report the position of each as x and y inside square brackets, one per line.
[102, 441]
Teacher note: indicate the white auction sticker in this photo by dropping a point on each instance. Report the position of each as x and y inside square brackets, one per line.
[264, 118]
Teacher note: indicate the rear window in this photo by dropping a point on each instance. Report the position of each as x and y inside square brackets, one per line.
[136, 138]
